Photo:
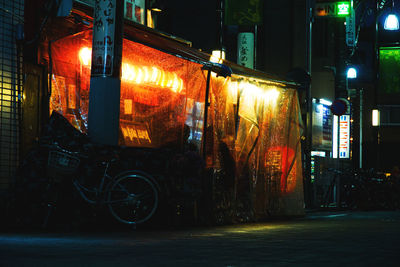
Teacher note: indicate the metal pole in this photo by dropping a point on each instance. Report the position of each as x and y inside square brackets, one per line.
[361, 130]
[255, 46]
[206, 105]
[307, 178]
[105, 81]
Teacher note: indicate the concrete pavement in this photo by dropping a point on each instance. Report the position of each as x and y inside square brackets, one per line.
[319, 239]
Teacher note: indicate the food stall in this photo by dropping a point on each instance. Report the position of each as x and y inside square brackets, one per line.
[253, 127]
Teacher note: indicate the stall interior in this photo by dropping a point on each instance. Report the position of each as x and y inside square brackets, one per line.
[253, 127]
[159, 92]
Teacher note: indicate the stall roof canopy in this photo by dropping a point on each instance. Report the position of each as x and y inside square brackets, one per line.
[181, 48]
[169, 44]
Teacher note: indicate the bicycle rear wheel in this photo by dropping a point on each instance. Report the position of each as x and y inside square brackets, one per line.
[133, 198]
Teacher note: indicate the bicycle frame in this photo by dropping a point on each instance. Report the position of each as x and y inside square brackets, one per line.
[98, 191]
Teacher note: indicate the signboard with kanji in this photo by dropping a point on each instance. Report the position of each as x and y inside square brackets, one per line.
[246, 49]
[351, 30]
[332, 9]
[344, 136]
[103, 38]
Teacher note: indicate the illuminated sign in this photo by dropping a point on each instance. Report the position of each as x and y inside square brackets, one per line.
[332, 9]
[344, 136]
[343, 9]
[318, 153]
[135, 134]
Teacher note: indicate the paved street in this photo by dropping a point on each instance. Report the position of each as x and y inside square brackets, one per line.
[319, 239]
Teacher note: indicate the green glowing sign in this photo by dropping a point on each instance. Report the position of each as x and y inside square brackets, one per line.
[343, 8]
[332, 9]
[389, 69]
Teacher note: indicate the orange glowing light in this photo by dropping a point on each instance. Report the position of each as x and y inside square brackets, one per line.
[141, 74]
[85, 56]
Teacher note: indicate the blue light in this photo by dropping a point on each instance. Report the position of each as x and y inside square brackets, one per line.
[391, 23]
[351, 73]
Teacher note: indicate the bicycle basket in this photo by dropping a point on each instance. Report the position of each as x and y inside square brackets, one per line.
[60, 164]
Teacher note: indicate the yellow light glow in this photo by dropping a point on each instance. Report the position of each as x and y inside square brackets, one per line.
[85, 56]
[128, 106]
[217, 56]
[375, 117]
[269, 95]
[170, 80]
[163, 80]
[146, 74]
[233, 92]
[150, 21]
[155, 75]
[140, 75]
[175, 84]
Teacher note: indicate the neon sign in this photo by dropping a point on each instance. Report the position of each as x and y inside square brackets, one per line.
[333, 9]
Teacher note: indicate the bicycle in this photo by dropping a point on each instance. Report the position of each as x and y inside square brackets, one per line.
[131, 196]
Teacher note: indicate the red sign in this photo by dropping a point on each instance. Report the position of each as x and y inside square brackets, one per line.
[339, 107]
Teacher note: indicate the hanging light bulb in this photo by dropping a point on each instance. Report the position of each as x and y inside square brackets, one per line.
[391, 23]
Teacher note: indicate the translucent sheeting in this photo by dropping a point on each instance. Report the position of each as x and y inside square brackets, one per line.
[159, 92]
[257, 124]
[253, 126]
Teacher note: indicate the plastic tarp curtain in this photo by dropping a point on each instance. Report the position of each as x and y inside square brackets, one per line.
[257, 127]
[253, 126]
[159, 92]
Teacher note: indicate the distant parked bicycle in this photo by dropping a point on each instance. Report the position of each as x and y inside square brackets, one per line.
[131, 196]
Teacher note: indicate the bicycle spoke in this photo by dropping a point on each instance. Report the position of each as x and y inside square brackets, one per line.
[133, 199]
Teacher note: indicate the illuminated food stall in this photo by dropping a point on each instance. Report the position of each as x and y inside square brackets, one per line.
[253, 122]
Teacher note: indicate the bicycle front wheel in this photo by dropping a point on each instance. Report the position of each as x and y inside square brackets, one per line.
[133, 198]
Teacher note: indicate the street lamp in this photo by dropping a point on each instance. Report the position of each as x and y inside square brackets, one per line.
[351, 73]
[391, 22]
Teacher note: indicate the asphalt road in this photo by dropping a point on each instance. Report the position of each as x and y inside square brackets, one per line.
[319, 239]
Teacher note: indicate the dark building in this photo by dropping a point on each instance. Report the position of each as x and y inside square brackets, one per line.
[281, 45]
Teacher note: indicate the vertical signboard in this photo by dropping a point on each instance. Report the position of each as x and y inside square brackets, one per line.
[103, 38]
[246, 49]
[344, 136]
[321, 127]
[335, 138]
[351, 30]
[134, 10]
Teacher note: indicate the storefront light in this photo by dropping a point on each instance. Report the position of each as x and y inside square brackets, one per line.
[375, 117]
[267, 95]
[325, 102]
